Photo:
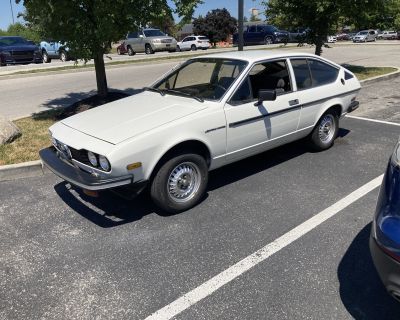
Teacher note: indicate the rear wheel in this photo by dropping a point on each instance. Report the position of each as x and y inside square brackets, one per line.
[148, 49]
[130, 51]
[63, 56]
[325, 132]
[180, 182]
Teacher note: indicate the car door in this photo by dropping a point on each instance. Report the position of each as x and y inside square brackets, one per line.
[51, 48]
[251, 35]
[254, 128]
[315, 81]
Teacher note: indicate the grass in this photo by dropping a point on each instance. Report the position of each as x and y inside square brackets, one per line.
[363, 73]
[35, 134]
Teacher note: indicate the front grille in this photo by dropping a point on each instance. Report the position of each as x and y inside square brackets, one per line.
[80, 156]
[166, 40]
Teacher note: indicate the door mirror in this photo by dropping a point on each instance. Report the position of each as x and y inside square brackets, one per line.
[265, 95]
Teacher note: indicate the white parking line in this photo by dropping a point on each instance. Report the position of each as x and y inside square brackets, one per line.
[373, 120]
[226, 276]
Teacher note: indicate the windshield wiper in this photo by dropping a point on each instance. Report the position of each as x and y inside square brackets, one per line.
[154, 90]
[185, 94]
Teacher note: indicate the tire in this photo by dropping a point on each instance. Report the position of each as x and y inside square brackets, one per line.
[63, 56]
[45, 56]
[130, 51]
[176, 177]
[268, 40]
[193, 47]
[148, 49]
[325, 132]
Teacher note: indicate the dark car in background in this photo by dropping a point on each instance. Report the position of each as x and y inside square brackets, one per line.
[262, 34]
[385, 233]
[298, 34]
[15, 50]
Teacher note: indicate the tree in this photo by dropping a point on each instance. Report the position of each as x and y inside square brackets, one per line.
[19, 29]
[89, 27]
[217, 25]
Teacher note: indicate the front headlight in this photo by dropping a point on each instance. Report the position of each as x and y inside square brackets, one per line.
[104, 164]
[6, 53]
[92, 158]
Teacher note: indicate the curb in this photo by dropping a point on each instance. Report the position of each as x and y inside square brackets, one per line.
[36, 168]
[22, 170]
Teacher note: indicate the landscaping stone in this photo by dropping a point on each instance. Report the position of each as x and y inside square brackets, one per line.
[8, 131]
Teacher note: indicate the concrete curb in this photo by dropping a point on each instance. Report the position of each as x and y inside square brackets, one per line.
[35, 168]
[22, 170]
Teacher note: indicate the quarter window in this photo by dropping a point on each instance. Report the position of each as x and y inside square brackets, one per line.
[301, 73]
[322, 73]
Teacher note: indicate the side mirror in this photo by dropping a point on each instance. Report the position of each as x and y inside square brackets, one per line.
[265, 95]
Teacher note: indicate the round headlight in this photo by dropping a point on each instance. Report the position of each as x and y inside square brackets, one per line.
[104, 164]
[92, 158]
[67, 151]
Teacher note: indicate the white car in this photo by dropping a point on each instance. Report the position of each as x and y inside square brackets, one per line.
[388, 35]
[193, 43]
[204, 114]
[332, 39]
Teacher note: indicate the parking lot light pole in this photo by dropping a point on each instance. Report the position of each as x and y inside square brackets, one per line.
[240, 26]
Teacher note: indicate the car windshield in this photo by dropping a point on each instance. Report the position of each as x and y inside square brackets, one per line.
[153, 33]
[10, 41]
[202, 78]
[362, 33]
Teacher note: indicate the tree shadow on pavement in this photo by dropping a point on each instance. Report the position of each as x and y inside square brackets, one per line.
[361, 289]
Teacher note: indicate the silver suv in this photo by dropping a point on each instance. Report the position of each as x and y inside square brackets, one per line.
[365, 36]
[149, 41]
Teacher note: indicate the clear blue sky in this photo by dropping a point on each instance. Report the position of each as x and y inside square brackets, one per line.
[231, 5]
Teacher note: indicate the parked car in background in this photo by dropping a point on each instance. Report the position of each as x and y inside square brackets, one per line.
[387, 35]
[204, 114]
[385, 232]
[365, 36]
[342, 37]
[331, 39]
[193, 43]
[149, 41]
[52, 49]
[352, 35]
[262, 34]
[17, 50]
[297, 34]
[121, 49]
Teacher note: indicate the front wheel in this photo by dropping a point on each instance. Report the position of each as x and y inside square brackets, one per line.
[193, 47]
[325, 132]
[180, 183]
[148, 49]
[45, 56]
[268, 40]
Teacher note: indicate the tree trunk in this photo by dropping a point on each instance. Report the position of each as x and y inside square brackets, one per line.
[318, 46]
[101, 78]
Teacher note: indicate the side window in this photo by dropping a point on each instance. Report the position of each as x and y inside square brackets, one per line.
[260, 28]
[272, 75]
[301, 73]
[252, 29]
[133, 35]
[186, 39]
[322, 73]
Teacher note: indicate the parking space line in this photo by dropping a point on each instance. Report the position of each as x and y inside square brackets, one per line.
[373, 120]
[226, 276]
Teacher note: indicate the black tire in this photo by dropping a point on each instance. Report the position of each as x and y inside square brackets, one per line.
[63, 56]
[268, 40]
[148, 49]
[325, 132]
[130, 51]
[45, 56]
[185, 168]
[193, 47]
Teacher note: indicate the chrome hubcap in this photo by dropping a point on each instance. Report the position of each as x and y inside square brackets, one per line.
[326, 129]
[184, 182]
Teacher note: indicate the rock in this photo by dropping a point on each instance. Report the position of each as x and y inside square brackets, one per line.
[8, 131]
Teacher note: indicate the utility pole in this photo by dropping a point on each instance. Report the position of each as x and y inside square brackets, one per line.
[240, 26]
[12, 12]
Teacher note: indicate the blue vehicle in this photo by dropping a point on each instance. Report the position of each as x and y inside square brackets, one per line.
[262, 34]
[385, 233]
[54, 50]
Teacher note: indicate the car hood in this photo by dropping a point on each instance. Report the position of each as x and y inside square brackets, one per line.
[126, 118]
[20, 47]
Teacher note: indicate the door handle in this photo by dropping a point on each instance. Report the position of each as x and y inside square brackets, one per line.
[293, 102]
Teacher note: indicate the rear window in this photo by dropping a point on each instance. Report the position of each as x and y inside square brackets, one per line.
[322, 73]
[203, 38]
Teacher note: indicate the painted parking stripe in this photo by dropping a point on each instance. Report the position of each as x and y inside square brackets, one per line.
[373, 120]
[226, 276]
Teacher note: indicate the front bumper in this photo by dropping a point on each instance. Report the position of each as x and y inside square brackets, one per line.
[164, 46]
[388, 268]
[353, 106]
[77, 176]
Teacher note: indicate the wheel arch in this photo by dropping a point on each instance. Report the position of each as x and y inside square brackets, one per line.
[188, 146]
[335, 106]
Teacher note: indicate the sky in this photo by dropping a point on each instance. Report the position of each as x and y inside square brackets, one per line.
[231, 5]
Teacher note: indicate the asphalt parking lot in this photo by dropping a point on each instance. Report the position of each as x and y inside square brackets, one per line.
[66, 256]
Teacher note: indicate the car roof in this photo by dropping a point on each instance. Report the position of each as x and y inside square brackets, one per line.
[258, 55]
